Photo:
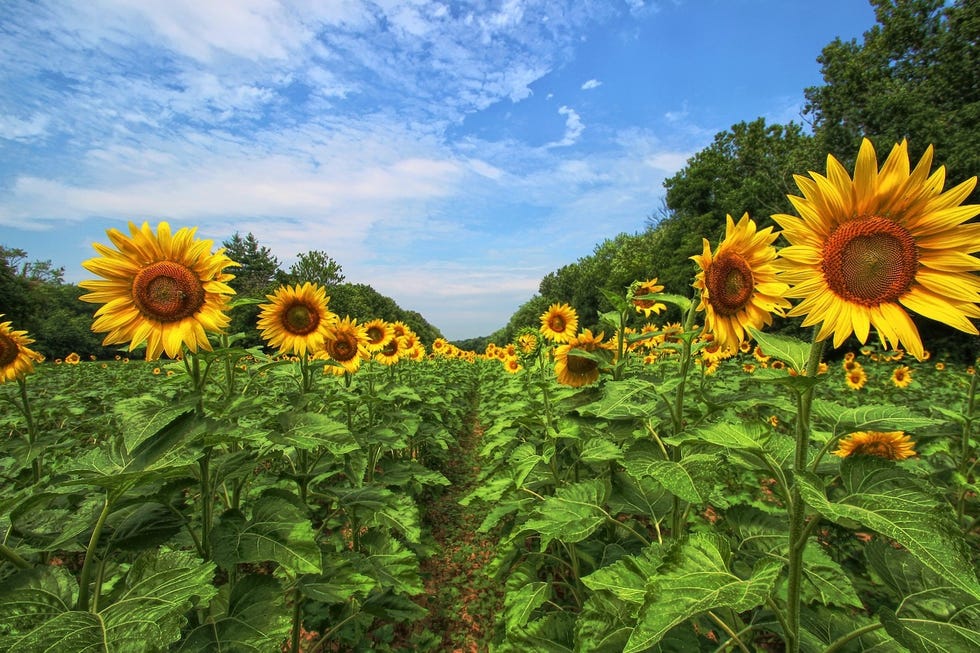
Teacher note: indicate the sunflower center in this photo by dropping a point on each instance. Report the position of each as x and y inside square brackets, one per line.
[581, 365]
[167, 292]
[556, 323]
[870, 261]
[343, 351]
[8, 350]
[299, 319]
[375, 334]
[391, 348]
[730, 284]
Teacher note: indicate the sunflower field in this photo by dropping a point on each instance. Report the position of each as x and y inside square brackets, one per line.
[701, 485]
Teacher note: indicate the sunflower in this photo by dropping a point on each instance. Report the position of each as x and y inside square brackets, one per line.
[391, 352]
[73, 358]
[346, 343]
[738, 282]
[166, 290]
[559, 323]
[16, 359]
[379, 333]
[576, 371]
[893, 445]
[296, 320]
[940, 366]
[902, 377]
[646, 306]
[866, 249]
[856, 378]
[512, 365]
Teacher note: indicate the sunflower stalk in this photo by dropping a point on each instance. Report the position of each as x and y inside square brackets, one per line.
[677, 414]
[964, 468]
[82, 604]
[799, 531]
[31, 428]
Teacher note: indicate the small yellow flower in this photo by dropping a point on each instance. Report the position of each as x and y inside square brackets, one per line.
[902, 377]
[856, 378]
[940, 366]
[892, 445]
[156, 371]
[73, 358]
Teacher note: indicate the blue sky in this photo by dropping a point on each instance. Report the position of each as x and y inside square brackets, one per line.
[449, 154]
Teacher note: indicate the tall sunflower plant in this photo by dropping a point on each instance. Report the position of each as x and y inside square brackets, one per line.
[657, 461]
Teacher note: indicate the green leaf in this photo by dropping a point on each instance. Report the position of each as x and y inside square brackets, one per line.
[147, 526]
[747, 436]
[340, 581]
[871, 417]
[627, 578]
[571, 515]
[825, 581]
[885, 498]
[791, 351]
[929, 635]
[256, 620]
[388, 562]
[626, 399]
[311, 431]
[278, 531]
[521, 603]
[523, 460]
[695, 579]
[688, 479]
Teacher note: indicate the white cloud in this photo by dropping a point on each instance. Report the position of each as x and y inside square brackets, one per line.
[591, 84]
[573, 128]
[20, 129]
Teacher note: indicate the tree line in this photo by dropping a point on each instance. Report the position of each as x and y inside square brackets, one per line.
[915, 75]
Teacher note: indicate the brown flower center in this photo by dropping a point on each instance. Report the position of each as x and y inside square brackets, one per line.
[8, 350]
[391, 348]
[300, 319]
[870, 261]
[375, 334]
[730, 284]
[167, 292]
[342, 350]
[556, 323]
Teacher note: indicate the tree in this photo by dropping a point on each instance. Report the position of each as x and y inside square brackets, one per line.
[314, 266]
[253, 280]
[915, 76]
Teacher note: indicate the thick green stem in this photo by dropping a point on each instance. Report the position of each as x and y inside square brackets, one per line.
[840, 642]
[93, 542]
[797, 508]
[677, 514]
[965, 449]
[13, 558]
[31, 429]
[207, 503]
[297, 620]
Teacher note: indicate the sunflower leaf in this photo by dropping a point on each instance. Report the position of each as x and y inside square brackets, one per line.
[883, 497]
[875, 417]
[571, 515]
[791, 351]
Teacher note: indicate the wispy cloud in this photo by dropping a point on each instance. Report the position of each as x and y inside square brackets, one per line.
[591, 84]
[573, 128]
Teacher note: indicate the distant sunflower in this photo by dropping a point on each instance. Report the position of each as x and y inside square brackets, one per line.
[73, 358]
[16, 359]
[346, 343]
[400, 328]
[893, 445]
[512, 365]
[902, 377]
[864, 250]
[296, 320]
[559, 323]
[165, 290]
[646, 306]
[738, 282]
[379, 334]
[856, 378]
[440, 346]
[528, 342]
[576, 371]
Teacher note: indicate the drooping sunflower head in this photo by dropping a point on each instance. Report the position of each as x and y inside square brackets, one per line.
[902, 376]
[16, 358]
[346, 343]
[738, 283]
[893, 445]
[164, 289]
[865, 249]
[528, 342]
[296, 319]
[559, 323]
[575, 370]
[379, 333]
[646, 306]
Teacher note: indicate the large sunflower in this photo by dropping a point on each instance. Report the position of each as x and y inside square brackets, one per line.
[347, 345]
[576, 371]
[559, 323]
[16, 359]
[864, 250]
[162, 289]
[738, 282]
[893, 445]
[297, 318]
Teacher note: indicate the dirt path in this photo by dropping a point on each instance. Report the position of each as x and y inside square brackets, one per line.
[461, 600]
